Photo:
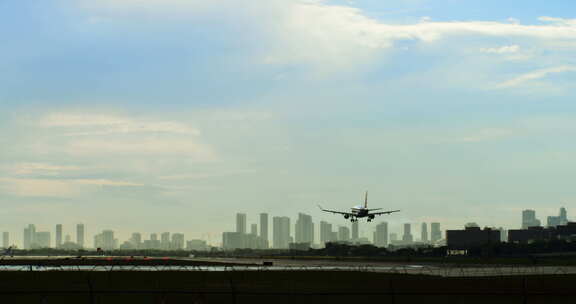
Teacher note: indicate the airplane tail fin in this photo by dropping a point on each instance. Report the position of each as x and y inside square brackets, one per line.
[366, 200]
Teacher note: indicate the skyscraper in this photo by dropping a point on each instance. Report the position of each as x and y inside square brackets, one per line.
[165, 240]
[6, 239]
[241, 223]
[381, 235]
[529, 219]
[561, 219]
[136, 240]
[304, 229]
[80, 235]
[355, 234]
[58, 235]
[344, 234]
[325, 232]
[42, 240]
[177, 241]
[281, 232]
[108, 240]
[254, 229]
[435, 234]
[29, 236]
[424, 233]
[407, 236]
[264, 227]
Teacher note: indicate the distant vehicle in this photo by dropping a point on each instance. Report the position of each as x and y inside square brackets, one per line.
[360, 211]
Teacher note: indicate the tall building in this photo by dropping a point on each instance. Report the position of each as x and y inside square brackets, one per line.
[58, 235]
[435, 233]
[105, 240]
[344, 234]
[407, 236]
[42, 240]
[264, 226]
[281, 232]
[152, 243]
[177, 241]
[29, 236]
[529, 219]
[136, 240]
[424, 233]
[355, 235]
[165, 240]
[241, 223]
[80, 233]
[561, 219]
[325, 233]
[5, 239]
[232, 240]
[304, 229]
[197, 245]
[254, 229]
[381, 235]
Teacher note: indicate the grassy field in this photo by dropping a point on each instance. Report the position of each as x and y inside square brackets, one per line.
[275, 287]
[459, 260]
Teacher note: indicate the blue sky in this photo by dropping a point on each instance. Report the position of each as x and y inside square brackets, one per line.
[149, 115]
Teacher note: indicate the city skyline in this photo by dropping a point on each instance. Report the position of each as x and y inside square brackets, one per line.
[280, 236]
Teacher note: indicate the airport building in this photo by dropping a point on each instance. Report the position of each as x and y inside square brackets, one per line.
[471, 236]
[533, 234]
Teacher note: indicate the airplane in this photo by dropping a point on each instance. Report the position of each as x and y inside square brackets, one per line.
[360, 211]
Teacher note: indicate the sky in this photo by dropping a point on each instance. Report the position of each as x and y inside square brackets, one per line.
[173, 115]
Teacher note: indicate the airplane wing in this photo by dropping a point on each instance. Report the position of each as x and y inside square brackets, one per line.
[384, 212]
[334, 211]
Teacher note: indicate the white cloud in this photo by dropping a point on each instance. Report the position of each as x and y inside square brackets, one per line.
[91, 135]
[140, 147]
[507, 49]
[31, 187]
[558, 21]
[109, 124]
[40, 168]
[535, 75]
[334, 36]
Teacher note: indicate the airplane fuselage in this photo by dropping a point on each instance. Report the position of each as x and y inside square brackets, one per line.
[359, 212]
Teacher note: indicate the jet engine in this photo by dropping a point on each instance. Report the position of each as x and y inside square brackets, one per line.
[346, 216]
